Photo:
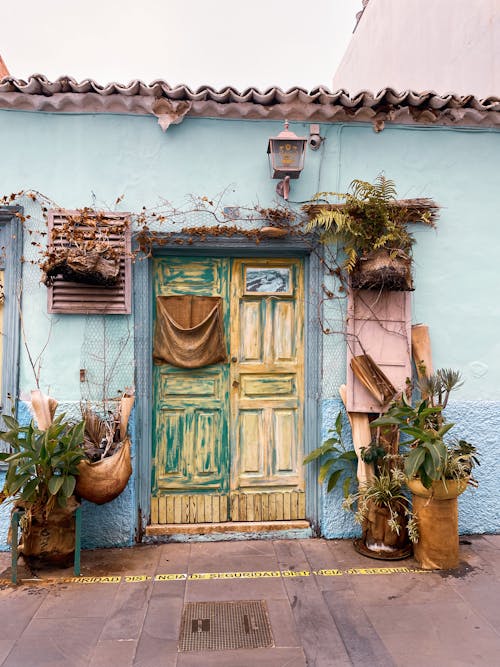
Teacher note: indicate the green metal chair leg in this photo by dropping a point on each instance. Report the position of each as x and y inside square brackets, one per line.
[15, 543]
[78, 536]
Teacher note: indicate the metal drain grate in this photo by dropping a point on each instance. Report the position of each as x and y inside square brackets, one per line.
[215, 626]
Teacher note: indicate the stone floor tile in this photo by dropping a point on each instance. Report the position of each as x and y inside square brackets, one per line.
[438, 633]
[231, 563]
[168, 589]
[271, 657]
[126, 616]
[401, 589]
[360, 638]
[6, 646]
[69, 641]
[163, 618]
[78, 601]
[154, 652]
[17, 607]
[42, 652]
[283, 626]
[319, 636]
[482, 593]
[236, 548]
[235, 589]
[114, 652]
[139, 559]
[290, 555]
[173, 558]
[493, 540]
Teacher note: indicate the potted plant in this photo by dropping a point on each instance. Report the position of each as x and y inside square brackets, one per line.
[438, 470]
[380, 505]
[371, 226]
[383, 510]
[106, 468]
[41, 479]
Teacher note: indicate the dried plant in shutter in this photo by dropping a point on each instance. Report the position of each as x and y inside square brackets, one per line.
[87, 264]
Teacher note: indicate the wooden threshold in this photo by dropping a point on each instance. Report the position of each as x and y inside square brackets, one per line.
[229, 527]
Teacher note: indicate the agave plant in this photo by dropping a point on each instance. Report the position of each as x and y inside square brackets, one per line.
[430, 457]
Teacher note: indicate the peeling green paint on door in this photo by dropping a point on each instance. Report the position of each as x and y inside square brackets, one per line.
[191, 447]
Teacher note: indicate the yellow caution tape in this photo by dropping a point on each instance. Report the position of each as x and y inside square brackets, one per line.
[205, 576]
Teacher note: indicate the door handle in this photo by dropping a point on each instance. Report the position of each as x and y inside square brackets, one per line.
[234, 359]
[236, 384]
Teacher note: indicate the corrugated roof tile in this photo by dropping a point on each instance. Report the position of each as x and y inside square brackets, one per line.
[38, 93]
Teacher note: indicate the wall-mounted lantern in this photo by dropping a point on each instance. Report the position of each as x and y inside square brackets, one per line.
[286, 158]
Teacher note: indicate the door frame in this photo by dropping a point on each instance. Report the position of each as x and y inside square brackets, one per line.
[143, 346]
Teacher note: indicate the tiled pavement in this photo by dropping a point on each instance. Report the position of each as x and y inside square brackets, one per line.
[369, 620]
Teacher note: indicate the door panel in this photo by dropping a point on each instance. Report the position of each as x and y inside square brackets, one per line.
[191, 437]
[266, 390]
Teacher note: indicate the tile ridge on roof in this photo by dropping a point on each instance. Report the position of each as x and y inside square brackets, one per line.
[40, 84]
[67, 95]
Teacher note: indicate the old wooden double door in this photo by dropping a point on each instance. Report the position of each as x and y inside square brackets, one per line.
[228, 438]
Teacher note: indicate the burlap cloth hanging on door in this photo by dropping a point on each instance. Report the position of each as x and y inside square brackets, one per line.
[189, 331]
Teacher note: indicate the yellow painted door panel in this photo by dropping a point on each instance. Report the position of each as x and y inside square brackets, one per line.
[267, 375]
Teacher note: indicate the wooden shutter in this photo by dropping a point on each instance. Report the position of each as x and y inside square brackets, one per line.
[378, 324]
[78, 298]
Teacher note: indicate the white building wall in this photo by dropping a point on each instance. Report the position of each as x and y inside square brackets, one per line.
[440, 45]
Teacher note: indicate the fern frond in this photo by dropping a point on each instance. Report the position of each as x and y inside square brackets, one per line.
[385, 188]
[328, 218]
[352, 258]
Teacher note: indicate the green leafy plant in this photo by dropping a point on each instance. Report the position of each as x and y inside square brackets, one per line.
[42, 465]
[368, 217]
[338, 462]
[429, 456]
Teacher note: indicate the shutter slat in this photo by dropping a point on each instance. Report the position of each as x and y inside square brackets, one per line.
[78, 298]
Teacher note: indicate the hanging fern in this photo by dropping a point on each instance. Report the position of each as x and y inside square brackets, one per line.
[368, 217]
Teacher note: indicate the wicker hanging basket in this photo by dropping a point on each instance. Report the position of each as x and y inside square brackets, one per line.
[104, 480]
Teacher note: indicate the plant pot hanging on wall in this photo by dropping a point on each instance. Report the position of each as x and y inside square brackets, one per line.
[90, 268]
[383, 269]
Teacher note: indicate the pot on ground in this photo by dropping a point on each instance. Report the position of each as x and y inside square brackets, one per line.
[49, 538]
[436, 511]
[379, 539]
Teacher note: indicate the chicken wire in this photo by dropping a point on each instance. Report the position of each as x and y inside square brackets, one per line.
[334, 346]
[107, 358]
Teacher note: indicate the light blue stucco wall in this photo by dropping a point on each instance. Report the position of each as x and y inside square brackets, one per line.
[90, 160]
